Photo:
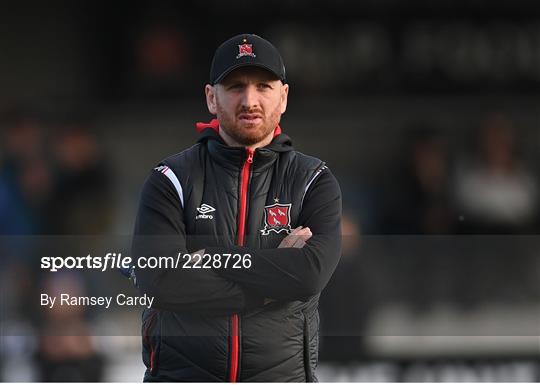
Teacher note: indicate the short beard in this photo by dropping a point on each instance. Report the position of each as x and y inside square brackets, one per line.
[228, 125]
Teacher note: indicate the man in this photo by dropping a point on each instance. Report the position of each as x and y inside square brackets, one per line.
[262, 222]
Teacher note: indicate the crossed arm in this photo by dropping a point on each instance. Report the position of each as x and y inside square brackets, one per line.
[299, 268]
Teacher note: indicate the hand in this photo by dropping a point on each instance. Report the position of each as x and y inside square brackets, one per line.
[297, 238]
[195, 257]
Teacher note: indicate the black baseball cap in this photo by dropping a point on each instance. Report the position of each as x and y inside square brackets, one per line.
[246, 50]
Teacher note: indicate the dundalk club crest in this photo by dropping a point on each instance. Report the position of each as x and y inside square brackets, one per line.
[245, 50]
[277, 218]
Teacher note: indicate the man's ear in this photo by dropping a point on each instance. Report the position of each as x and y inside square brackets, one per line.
[210, 92]
[284, 95]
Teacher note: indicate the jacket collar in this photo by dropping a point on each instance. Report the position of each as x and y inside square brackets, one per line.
[234, 157]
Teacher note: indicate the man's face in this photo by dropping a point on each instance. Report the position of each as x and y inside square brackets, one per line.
[248, 103]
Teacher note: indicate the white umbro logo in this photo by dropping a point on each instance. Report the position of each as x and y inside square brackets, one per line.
[204, 210]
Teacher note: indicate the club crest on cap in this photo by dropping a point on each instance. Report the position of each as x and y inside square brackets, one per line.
[245, 50]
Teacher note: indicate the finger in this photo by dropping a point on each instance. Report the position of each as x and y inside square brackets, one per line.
[305, 237]
[293, 241]
[298, 243]
[304, 231]
[286, 242]
[302, 239]
[296, 230]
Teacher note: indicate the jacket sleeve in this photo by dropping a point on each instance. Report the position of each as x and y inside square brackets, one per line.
[160, 232]
[297, 273]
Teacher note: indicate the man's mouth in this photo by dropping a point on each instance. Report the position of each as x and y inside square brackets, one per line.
[250, 118]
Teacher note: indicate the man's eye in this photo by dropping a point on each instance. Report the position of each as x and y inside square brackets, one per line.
[265, 86]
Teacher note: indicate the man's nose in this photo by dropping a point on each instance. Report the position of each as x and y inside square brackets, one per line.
[250, 97]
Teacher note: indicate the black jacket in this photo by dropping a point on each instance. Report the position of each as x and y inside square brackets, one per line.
[255, 323]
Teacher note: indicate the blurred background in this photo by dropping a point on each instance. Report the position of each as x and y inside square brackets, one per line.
[428, 113]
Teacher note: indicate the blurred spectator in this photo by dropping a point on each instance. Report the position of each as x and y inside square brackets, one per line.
[48, 186]
[82, 202]
[56, 185]
[25, 176]
[495, 190]
[66, 351]
[418, 200]
[497, 194]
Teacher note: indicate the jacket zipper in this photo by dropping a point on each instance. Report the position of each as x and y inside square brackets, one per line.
[240, 241]
[244, 184]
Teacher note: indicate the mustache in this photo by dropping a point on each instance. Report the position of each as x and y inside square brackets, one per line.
[250, 111]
